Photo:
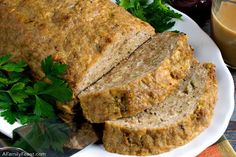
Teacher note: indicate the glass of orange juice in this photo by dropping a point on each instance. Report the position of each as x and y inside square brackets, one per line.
[224, 29]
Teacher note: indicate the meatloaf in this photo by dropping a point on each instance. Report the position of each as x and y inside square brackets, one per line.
[174, 122]
[148, 76]
[90, 36]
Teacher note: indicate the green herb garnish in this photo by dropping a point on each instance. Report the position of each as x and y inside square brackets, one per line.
[25, 100]
[156, 13]
[33, 102]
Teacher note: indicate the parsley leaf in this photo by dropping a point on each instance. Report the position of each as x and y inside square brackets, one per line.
[17, 92]
[29, 118]
[134, 6]
[43, 109]
[9, 116]
[51, 68]
[58, 90]
[4, 59]
[5, 100]
[14, 67]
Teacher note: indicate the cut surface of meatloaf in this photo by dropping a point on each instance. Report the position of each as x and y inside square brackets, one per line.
[90, 36]
[148, 76]
[174, 122]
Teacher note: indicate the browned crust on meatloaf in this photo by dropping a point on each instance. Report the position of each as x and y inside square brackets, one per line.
[158, 140]
[79, 33]
[133, 97]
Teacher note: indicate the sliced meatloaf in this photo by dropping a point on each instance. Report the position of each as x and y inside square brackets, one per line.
[148, 76]
[172, 123]
[90, 36]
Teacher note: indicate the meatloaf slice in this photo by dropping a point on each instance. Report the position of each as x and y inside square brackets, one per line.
[90, 36]
[151, 73]
[172, 123]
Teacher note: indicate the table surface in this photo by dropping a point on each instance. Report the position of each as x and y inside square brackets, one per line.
[231, 131]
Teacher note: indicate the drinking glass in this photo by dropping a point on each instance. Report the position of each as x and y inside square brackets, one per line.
[224, 29]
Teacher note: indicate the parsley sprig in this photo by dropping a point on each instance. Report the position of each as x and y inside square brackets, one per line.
[156, 13]
[33, 102]
[26, 100]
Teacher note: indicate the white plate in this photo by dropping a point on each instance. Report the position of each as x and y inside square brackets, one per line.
[205, 51]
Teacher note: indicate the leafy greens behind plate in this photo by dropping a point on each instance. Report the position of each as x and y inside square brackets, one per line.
[156, 13]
